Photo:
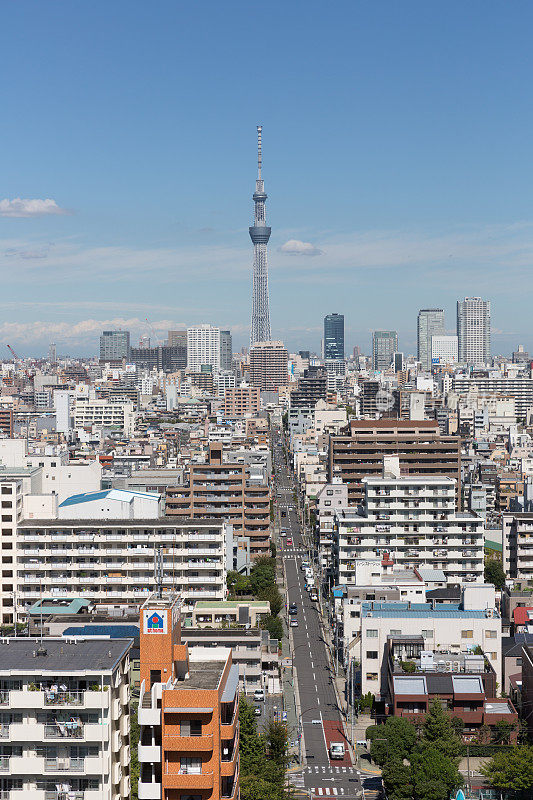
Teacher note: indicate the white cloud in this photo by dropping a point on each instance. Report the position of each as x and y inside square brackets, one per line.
[294, 247]
[24, 207]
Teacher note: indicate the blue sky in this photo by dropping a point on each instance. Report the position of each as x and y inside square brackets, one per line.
[397, 155]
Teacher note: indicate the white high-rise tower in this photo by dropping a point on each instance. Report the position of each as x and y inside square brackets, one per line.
[473, 330]
[260, 234]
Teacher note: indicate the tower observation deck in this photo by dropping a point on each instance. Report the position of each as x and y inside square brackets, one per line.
[260, 234]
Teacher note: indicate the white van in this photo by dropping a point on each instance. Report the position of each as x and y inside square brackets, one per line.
[259, 696]
[336, 750]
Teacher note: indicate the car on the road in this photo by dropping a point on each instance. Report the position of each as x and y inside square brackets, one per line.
[314, 596]
[293, 608]
[336, 750]
[259, 696]
[293, 623]
[257, 711]
[304, 565]
[289, 540]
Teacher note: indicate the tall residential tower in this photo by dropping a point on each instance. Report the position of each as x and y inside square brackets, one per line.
[260, 234]
[473, 330]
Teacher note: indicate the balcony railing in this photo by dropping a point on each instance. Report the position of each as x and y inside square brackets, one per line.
[4, 763]
[52, 794]
[63, 698]
[64, 764]
[63, 730]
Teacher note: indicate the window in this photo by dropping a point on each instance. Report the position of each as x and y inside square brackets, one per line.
[191, 766]
[7, 504]
[467, 634]
[493, 656]
[372, 634]
[394, 632]
[371, 653]
[427, 634]
[329, 492]
[327, 502]
[7, 490]
[371, 676]
[491, 634]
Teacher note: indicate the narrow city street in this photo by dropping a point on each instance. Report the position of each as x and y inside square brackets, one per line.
[320, 716]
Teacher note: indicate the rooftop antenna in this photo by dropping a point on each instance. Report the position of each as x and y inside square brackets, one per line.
[158, 571]
[259, 152]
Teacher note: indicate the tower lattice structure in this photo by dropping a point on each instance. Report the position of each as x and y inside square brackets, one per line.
[260, 234]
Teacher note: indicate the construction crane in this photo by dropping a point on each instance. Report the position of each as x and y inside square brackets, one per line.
[15, 356]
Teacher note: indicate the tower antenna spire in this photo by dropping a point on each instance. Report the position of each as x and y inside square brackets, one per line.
[260, 234]
[259, 152]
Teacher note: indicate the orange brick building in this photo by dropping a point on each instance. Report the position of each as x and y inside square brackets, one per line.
[188, 714]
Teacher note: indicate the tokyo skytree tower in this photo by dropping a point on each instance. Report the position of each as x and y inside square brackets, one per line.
[260, 234]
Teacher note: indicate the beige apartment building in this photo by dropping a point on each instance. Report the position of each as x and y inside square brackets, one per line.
[225, 492]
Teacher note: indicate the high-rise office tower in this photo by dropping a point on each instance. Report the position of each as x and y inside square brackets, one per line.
[226, 351]
[177, 338]
[473, 330]
[114, 345]
[260, 234]
[334, 336]
[52, 353]
[269, 365]
[430, 323]
[203, 348]
[384, 345]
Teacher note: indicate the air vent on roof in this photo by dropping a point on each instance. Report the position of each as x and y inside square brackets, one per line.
[41, 651]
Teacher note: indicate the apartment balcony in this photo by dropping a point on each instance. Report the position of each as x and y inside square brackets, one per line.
[175, 778]
[64, 765]
[229, 765]
[188, 744]
[202, 578]
[150, 753]
[63, 730]
[149, 790]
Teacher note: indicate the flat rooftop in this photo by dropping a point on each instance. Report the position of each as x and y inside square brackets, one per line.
[213, 605]
[422, 610]
[154, 522]
[202, 675]
[62, 656]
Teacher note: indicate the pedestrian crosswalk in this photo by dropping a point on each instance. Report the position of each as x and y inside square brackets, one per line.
[327, 791]
[329, 769]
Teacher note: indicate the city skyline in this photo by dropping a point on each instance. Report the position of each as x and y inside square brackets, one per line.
[111, 214]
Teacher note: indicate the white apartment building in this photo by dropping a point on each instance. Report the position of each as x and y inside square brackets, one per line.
[517, 541]
[444, 350]
[330, 498]
[64, 719]
[519, 388]
[103, 413]
[451, 628]
[11, 499]
[473, 330]
[112, 560]
[414, 521]
[203, 348]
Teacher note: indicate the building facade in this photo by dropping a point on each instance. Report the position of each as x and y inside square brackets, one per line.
[65, 719]
[269, 365]
[413, 522]
[384, 345]
[422, 450]
[203, 348]
[112, 561]
[334, 336]
[430, 323]
[473, 330]
[188, 713]
[114, 346]
[444, 350]
[225, 491]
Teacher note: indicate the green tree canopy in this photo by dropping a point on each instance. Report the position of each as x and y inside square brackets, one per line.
[494, 573]
[439, 731]
[273, 625]
[511, 771]
[434, 774]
